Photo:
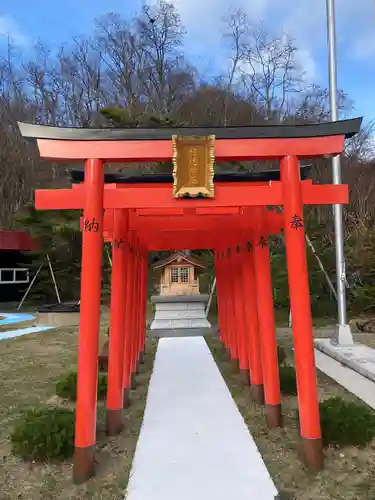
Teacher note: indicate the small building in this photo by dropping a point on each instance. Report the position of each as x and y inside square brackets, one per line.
[14, 264]
[179, 274]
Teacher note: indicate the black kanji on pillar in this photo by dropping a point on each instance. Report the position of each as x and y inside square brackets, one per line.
[263, 242]
[296, 222]
[91, 226]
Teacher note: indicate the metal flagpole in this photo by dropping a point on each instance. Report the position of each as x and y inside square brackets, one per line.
[343, 333]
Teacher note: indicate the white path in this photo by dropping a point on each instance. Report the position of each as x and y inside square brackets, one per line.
[12, 318]
[11, 334]
[194, 444]
[351, 380]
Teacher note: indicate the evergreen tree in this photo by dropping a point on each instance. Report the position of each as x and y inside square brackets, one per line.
[57, 234]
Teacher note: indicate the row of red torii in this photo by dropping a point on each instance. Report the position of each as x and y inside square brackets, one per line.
[235, 224]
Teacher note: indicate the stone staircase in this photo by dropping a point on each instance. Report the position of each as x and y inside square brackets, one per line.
[179, 312]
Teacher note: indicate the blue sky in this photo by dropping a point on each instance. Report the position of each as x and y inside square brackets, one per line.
[56, 22]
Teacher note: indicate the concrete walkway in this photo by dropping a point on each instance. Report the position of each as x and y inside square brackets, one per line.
[358, 357]
[194, 444]
[351, 380]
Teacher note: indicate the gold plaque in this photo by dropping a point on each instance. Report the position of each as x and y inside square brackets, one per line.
[193, 166]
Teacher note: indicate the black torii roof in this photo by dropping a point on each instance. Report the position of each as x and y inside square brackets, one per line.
[77, 175]
[348, 128]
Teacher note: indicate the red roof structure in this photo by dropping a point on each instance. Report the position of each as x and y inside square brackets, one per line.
[16, 241]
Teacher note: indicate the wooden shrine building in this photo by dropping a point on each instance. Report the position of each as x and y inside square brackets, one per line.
[178, 274]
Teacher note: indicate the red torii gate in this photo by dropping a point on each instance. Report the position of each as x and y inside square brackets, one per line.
[144, 218]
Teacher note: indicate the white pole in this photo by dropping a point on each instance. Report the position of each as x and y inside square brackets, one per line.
[343, 334]
[210, 297]
[330, 284]
[29, 287]
[53, 278]
[108, 255]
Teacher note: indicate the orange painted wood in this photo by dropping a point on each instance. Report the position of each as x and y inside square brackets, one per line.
[324, 194]
[230, 286]
[251, 318]
[117, 312]
[162, 150]
[266, 320]
[177, 212]
[135, 310]
[128, 309]
[91, 281]
[178, 241]
[226, 195]
[144, 273]
[272, 221]
[202, 223]
[300, 304]
[220, 298]
[240, 325]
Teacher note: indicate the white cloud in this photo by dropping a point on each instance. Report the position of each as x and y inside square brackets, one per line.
[199, 12]
[203, 21]
[304, 20]
[306, 60]
[10, 30]
[355, 25]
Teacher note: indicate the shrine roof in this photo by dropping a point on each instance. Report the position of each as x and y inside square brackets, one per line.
[348, 128]
[17, 241]
[78, 176]
[179, 255]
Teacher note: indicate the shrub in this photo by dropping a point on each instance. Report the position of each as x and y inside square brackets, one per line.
[288, 380]
[102, 386]
[346, 423]
[66, 387]
[281, 355]
[44, 434]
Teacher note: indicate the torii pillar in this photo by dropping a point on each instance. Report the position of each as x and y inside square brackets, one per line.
[88, 346]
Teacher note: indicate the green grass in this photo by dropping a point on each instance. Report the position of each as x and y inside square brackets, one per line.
[349, 472]
[29, 369]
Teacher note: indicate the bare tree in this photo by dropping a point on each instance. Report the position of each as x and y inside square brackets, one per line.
[234, 35]
[82, 87]
[313, 105]
[123, 61]
[143, 64]
[43, 81]
[361, 147]
[267, 66]
[161, 37]
[18, 164]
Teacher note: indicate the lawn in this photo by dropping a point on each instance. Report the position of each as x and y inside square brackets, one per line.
[349, 473]
[29, 369]
[28, 372]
